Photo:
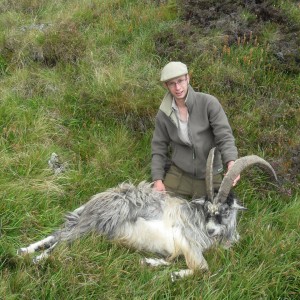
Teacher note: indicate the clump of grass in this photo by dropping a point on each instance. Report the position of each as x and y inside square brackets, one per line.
[61, 44]
[55, 44]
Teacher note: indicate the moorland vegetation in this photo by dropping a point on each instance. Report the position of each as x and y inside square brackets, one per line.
[80, 78]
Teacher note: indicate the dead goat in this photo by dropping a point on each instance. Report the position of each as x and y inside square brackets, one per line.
[147, 220]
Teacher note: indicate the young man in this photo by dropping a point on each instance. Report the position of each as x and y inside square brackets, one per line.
[188, 124]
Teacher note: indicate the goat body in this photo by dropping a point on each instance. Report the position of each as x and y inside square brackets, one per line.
[144, 219]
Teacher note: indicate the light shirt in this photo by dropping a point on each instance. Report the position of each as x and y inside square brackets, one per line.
[182, 125]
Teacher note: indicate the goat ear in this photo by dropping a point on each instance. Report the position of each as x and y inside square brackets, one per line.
[238, 206]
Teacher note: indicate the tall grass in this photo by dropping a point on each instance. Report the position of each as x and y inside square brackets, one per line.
[80, 78]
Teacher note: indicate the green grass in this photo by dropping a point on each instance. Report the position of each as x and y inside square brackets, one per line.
[86, 86]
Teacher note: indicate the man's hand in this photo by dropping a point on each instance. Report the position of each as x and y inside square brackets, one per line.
[159, 186]
[229, 166]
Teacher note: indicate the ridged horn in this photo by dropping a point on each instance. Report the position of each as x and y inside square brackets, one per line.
[209, 175]
[240, 165]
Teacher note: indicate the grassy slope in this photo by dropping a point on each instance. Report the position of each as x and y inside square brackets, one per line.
[86, 87]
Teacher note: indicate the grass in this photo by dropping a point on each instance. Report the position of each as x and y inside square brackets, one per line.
[80, 78]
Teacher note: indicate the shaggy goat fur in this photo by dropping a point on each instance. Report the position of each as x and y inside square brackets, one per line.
[144, 219]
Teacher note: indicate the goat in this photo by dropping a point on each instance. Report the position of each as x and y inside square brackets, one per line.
[145, 219]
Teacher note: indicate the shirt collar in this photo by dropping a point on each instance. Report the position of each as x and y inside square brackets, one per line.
[174, 105]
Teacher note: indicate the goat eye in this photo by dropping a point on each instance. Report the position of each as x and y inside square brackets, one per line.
[218, 218]
[224, 211]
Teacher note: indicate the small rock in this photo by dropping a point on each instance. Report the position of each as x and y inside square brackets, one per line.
[55, 164]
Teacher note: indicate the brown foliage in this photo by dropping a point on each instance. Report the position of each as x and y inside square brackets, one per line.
[228, 17]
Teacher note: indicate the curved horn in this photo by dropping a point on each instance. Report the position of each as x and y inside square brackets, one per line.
[209, 174]
[240, 165]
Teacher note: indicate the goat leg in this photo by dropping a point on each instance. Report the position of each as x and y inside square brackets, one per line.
[154, 262]
[46, 243]
[181, 274]
[195, 259]
[44, 254]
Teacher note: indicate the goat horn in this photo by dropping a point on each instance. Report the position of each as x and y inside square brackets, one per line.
[209, 175]
[240, 165]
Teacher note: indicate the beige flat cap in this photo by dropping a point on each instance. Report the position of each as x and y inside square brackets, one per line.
[172, 70]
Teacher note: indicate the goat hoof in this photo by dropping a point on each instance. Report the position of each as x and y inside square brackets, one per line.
[181, 274]
[22, 251]
[175, 276]
[36, 260]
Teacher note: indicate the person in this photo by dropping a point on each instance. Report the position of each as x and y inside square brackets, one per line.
[188, 124]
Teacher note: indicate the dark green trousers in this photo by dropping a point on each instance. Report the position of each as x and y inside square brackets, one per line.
[186, 186]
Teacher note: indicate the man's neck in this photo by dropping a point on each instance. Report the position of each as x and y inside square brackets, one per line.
[180, 102]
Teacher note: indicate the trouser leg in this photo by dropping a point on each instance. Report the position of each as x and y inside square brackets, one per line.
[183, 185]
[176, 183]
[199, 186]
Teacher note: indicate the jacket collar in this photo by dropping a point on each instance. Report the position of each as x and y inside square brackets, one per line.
[166, 104]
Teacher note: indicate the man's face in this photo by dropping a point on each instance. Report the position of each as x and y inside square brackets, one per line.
[178, 87]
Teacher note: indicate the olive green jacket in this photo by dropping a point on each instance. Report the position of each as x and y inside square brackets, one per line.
[208, 127]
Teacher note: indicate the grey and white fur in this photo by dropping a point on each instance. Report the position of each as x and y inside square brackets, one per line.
[145, 219]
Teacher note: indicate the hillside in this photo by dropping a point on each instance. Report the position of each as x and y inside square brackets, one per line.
[81, 78]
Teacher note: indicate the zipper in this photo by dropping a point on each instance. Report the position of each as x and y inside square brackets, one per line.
[194, 164]
[190, 137]
[193, 149]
